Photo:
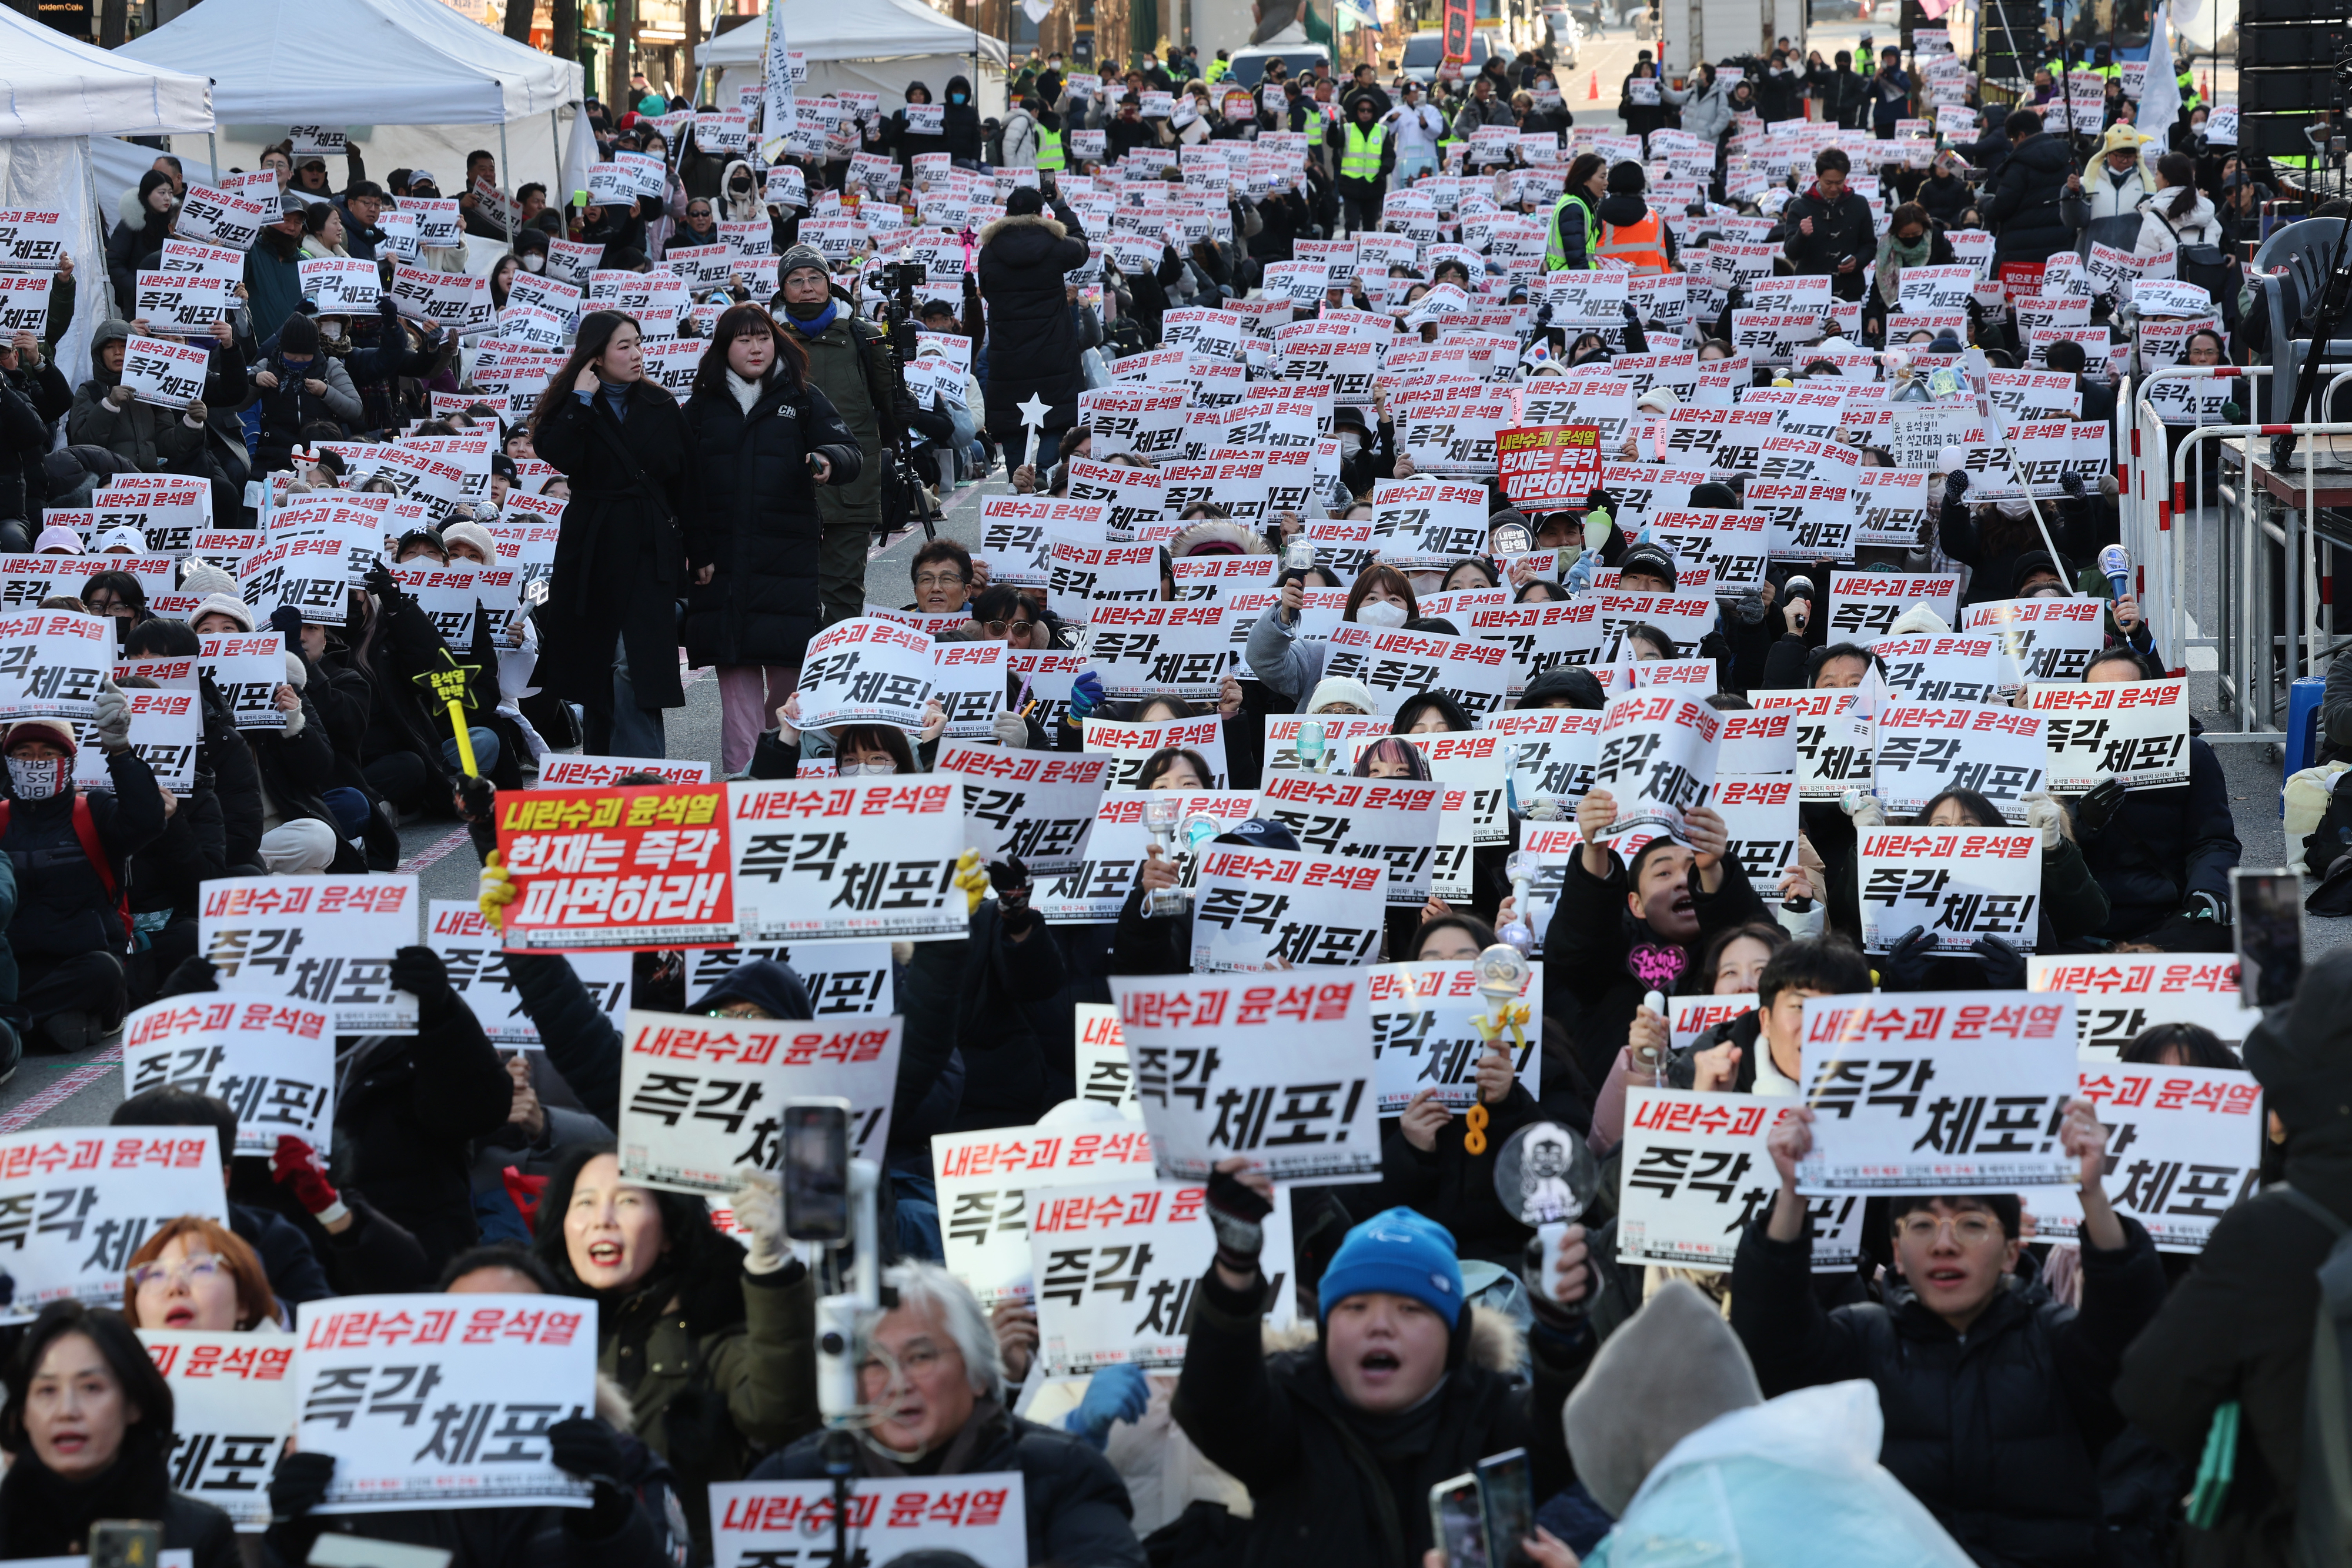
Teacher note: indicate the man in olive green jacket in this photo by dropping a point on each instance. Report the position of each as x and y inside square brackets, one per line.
[855, 372]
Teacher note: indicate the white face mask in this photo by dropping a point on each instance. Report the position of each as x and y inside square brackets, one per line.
[1384, 612]
[1350, 444]
[866, 769]
[332, 330]
[2018, 507]
[37, 777]
[534, 262]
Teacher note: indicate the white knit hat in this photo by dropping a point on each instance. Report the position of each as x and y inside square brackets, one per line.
[228, 604]
[204, 577]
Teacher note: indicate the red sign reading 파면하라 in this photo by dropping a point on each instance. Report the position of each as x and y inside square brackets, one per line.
[1546, 468]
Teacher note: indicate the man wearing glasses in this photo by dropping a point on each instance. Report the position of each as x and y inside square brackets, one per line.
[942, 574]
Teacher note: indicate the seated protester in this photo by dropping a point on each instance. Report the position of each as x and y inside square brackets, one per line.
[714, 1343]
[1996, 539]
[1339, 1442]
[87, 1427]
[859, 750]
[1365, 456]
[632, 1520]
[1996, 1397]
[1175, 768]
[1762, 1052]
[406, 644]
[70, 850]
[289, 1262]
[294, 385]
[1732, 965]
[1146, 944]
[1621, 931]
[1381, 596]
[293, 768]
[149, 439]
[943, 573]
[931, 1368]
[2161, 856]
[1735, 642]
[166, 877]
[197, 1273]
[2073, 906]
[1564, 685]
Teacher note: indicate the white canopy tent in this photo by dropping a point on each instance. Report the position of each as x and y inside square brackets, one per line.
[413, 81]
[866, 46]
[56, 94]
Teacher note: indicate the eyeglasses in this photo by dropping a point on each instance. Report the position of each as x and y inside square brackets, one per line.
[1967, 1229]
[940, 579]
[188, 1271]
[999, 628]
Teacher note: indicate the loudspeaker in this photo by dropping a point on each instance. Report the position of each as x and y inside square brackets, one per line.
[2300, 89]
[2275, 133]
[2308, 47]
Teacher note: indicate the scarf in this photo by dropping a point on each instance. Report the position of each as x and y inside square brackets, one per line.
[48, 1515]
[1893, 256]
[746, 392]
[815, 325]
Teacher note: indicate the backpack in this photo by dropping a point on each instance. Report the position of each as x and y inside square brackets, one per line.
[2323, 1508]
[2209, 267]
[85, 828]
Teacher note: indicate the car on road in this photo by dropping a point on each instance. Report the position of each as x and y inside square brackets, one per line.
[1424, 51]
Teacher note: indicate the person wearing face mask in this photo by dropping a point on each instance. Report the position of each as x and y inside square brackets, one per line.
[1291, 664]
[962, 123]
[1365, 460]
[1780, 95]
[293, 385]
[849, 361]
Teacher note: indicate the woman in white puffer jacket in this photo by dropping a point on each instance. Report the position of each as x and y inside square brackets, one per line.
[2178, 213]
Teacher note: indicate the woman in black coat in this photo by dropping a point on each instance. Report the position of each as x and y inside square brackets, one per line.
[2021, 206]
[962, 123]
[130, 244]
[1032, 345]
[763, 440]
[620, 560]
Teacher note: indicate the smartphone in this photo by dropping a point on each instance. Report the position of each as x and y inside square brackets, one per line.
[1457, 1523]
[816, 1169]
[2269, 905]
[126, 1543]
[1509, 1488]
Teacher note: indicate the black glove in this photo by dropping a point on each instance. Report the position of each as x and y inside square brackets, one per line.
[380, 582]
[1906, 965]
[299, 1483]
[420, 972]
[1956, 485]
[1632, 315]
[2072, 483]
[286, 621]
[476, 798]
[2096, 809]
[2004, 965]
[586, 1447]
[1238, 1215]
[194, 975]
[2205, 906]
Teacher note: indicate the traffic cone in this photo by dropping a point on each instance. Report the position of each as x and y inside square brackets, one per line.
[1593, 88]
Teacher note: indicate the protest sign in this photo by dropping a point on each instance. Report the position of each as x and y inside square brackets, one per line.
[700, 1096]
[981, 1516]
[2050, 639]
[1426, 1034]
[184, 303]
[849, 857]
[1696, 1174]
[2184, 1144]
[1959, 883]
[272, 1063]
[1017, 533]
[636, 867]
[328, 941]
[1926, 749]
[2136, 731]
[222, 217]
[459, 301]
[1656, 759]
[1131, 744]
[1037, 807]
[1103, 1073]
[1894, 508]
[307, 573]
[1277, 1069]
[1553, 753]
[1094, 893]
[843, 978]
[867, 671]
[507, 1368]
[1329, 741]
[232, 1411]
[165, 729]
[2118, 997]
[1685, 617]
[1427, 525]
[1938, 1092]
[1158, 650]
[32, 239]
[1864, 606]
[1834, 739]
[52, 663]
[559, 771]
[77, 1202]
[984, 1179]
[1280, 909]
[1691, 1020]
[1393, 821]
[470, 946]
[968, 686]
[1130, 497]
[1760, 820]
[1118, 1267]
[1399, 664]
[1757, 744]
[1538, 636]
[1547, 468]
[164, 374]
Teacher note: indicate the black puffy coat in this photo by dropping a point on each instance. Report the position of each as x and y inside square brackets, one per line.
[2021, 206]
[2163, 845]
[1945, 197]
[1006, 994]
[961, 121]
[236, 782]
[1842, 232]
[1997, 1432]
[28, 405]
[620, 557]
[63, 909]
[755, 520]
[1455, 1188]
[1032, 345]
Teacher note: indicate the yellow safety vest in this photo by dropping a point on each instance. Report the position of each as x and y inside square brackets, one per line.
[1556, 254]
[1049, 149]
[1217, 70]
[1361, 161]
[1641, 246]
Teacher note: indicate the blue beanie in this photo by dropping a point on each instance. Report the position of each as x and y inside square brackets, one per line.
[1402, 1253]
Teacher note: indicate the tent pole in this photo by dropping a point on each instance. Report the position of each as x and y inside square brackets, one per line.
[507, 210]
[212, 150]
[555, 140]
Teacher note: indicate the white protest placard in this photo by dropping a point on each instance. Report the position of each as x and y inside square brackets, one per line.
[1865, 605]
[1017, 533]
[222, 217]
[1282, 909]
[273, 1062]
[1294, 1052]
[1834, 739]
[443, 1402]
[2184, 1146]
[1938, 1092]
[2118, 997]
[182, 302]
[32, 239]
[702, 1096]
[1960, 884]
[1130, 495]
[1926, 749]
[1399, 664]
[1685, 618]
[1656, 759]
[981, 1516]
[835, 859]
[1695, 1173]
[1473, 760]
[474, 952]
[77, 1202]
[1393, 821]
[867, 671]
[307, 573]
[24, 302]
[1094, 893]
[1426, 1033]
[1118, 1268]
[984, 1179]
[1541, 636]
[232, 1411]
[1132, 745]
[1103, 1074]
[1759, 821]
[52, 663]
[1037, 807]
[1158, 650]
[970, 687]
[1553, 752]
[1691, 1020]
[2050, 639]
[1728, 550]
[1755, 743]
[841, 978]
[342, 285]
[460, 301]
[565, 772]
[1139, 422]
[1427, 525]
[2136, 731]
[324, 940]
[165, 729]
[164, 374]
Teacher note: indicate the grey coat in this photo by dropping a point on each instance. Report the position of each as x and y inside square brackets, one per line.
[1707, 113]
[1285, 662]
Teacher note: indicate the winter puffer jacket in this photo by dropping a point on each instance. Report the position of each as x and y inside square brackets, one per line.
[1033, 347]
[2022, 206]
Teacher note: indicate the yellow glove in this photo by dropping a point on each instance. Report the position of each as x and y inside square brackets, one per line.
[494, 892]
[972, 877]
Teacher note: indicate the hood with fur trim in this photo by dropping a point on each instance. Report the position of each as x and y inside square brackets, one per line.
[1216, 536]
[1010, 227]
[740, 212]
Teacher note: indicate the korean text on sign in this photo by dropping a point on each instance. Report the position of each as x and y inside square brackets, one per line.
[2184, 1144]
[232, 1411]
[77, 1202]
[617, 868]
[984, 1179]
[327, 941]
[772, 1524]
[271, 1061]
[1694, 1174]
[847, 858]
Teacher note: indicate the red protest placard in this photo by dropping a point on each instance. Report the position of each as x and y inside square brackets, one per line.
[1548, 467]
[617, 868]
